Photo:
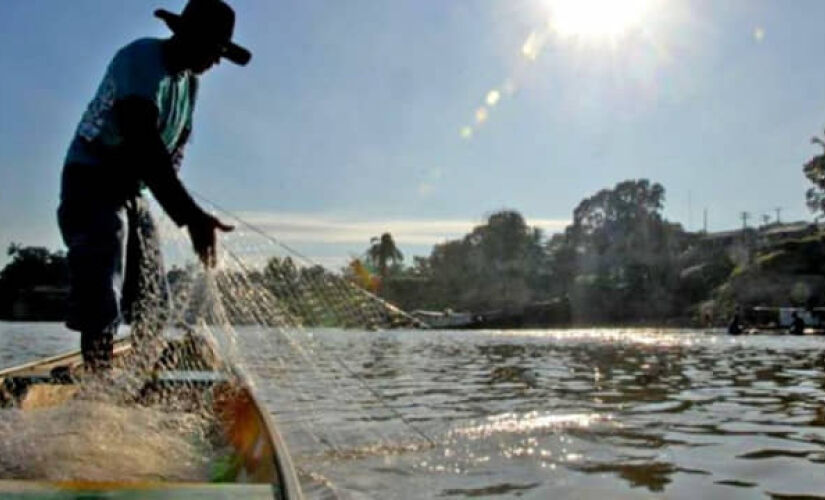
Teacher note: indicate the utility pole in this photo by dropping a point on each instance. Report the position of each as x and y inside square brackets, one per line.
[690, 211]
[705, 220]
[778, 211]
[745, 216]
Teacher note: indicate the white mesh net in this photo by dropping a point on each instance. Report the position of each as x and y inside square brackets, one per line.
[256, 316]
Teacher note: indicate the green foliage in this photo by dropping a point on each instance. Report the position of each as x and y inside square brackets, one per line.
[618, 261]
[225, 468]
[814, 170]
[790, 272]
[768, 259]
[619, 258]
[382, 251]
[31, 268]
[798, 256]
[496, 266]
[702, 273]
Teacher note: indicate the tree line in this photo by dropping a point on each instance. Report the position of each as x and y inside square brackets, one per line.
[618, 261]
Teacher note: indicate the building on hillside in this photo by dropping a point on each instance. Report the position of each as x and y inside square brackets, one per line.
[775, 233]
[764, 236]
[726, 239]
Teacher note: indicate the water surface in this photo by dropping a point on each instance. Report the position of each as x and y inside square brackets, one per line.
[534, 414]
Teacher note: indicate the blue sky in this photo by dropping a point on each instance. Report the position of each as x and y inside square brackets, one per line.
[352, 117]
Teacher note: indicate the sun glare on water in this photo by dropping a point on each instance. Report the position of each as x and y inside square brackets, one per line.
[597, 18]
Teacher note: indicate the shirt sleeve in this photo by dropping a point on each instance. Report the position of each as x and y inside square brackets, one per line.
[135, 74]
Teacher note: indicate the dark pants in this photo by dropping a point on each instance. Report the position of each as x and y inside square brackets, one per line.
[115, 268]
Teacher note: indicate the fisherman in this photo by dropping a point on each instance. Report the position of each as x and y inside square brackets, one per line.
[735, 325]
[797, 324]
[132, 137]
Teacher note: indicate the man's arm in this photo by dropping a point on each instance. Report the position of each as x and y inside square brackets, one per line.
[151, 162]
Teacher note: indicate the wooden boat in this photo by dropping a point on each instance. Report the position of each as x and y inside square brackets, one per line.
[260, 463]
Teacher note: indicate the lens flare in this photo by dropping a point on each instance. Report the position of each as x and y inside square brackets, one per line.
[759, 33]
[492, 97]
[532, 46]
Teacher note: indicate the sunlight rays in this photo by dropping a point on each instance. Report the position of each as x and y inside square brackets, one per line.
[616, 29]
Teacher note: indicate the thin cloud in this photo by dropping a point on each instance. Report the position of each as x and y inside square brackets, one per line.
[310, 228]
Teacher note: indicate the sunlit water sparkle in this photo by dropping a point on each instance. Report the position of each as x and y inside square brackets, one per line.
[624, 413]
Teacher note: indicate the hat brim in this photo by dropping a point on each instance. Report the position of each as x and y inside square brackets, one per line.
[230, 50]
[236, 54]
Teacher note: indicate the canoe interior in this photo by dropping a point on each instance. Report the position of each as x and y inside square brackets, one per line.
[259, 465]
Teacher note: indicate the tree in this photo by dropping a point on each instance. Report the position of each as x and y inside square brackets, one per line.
[383, 250]
[815, 172]
[496, 266]
[33, 266]
[36, 277]
[618, 254]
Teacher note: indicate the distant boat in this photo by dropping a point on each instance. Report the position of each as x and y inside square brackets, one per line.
[779, 320]
[445, 319]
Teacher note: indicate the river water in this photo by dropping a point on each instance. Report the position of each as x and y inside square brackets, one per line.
[618, 413]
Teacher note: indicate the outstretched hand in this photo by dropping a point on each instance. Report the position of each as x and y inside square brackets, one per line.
[202, 234]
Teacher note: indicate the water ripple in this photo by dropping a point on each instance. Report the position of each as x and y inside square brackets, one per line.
[613, 413]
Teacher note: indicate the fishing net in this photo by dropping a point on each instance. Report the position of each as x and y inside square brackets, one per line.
[255, 317]
[262, 309]
[264, 306]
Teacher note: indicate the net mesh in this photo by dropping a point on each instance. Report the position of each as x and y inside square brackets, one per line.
[255, 316]
[263, 306]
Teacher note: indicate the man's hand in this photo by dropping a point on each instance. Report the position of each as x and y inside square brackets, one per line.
[202, 233]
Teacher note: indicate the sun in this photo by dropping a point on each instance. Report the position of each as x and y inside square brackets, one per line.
[597, 18]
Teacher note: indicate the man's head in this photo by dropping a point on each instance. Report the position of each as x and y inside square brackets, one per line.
[204, 33]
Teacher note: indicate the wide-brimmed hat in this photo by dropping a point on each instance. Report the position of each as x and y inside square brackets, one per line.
[208, 20]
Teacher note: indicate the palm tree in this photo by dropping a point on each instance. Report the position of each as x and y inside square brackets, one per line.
[382, 250]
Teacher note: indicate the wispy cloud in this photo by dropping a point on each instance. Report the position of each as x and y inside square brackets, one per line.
[314, 228]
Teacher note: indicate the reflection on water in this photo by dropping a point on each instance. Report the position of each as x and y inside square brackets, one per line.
[621, 413]
[550, 414]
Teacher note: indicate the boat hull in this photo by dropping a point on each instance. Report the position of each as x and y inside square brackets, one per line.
[259, 464]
